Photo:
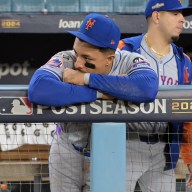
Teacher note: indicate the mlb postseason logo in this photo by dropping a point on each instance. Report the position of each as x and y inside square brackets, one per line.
[15, 106]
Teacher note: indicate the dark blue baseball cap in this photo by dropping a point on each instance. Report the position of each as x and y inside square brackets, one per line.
[98, 30]
[166, 5]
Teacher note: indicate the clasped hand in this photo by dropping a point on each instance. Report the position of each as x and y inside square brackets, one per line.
[73, 76]
[77, 77]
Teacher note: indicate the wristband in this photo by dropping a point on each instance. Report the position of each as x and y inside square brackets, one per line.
[86, 78]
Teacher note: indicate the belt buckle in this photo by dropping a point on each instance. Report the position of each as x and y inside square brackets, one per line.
[86, 152]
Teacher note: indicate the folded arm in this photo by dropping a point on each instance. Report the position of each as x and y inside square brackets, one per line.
[139, 86]
[46, 89]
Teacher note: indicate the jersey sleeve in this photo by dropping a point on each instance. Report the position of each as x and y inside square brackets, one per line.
[139, 85]
[58, 62]
[187, 70]
[47, 88]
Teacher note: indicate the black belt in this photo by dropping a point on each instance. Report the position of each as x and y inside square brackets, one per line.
[149, 139]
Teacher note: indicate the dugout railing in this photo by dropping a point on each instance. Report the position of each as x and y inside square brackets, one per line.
[173, 103]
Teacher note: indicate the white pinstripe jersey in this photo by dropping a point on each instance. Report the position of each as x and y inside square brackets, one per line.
[165, 67]
[124, 63]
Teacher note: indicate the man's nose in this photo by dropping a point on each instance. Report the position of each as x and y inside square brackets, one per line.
[182, 18]
[80, 63]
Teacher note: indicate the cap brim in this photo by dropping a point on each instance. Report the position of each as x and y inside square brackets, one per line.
[86, 38]
[186, 10]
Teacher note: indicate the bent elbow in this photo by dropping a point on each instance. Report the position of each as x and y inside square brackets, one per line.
[151, 93]
[150, 97]
[32, 94]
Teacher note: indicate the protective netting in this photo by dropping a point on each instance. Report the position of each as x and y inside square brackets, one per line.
[25, 151]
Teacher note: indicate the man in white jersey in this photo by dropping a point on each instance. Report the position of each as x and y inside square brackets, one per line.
[92, 70]
[153, 153]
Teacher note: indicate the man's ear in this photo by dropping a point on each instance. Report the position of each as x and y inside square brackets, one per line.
[110, 59]
[155, 16]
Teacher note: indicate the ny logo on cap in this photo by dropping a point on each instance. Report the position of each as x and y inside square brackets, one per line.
[90, 23]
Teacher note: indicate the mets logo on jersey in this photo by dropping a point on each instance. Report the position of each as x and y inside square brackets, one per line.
[90, 23]
[55, 62]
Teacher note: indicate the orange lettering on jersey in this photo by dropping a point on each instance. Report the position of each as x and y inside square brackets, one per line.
[90, 23]
[186, 75]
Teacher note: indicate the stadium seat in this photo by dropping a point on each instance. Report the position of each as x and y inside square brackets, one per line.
[28, 5]
[96, 6]
[62, 5]
[129, 6]
[5, 5]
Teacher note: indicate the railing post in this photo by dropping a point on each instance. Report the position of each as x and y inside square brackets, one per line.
[108, 157]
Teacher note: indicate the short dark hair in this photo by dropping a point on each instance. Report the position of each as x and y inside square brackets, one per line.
[101, 49]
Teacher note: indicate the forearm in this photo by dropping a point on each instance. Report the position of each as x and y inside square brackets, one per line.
[137, 87]
[45, 89]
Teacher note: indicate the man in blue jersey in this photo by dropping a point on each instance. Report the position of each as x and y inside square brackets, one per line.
[92, 70]
[165, 19]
